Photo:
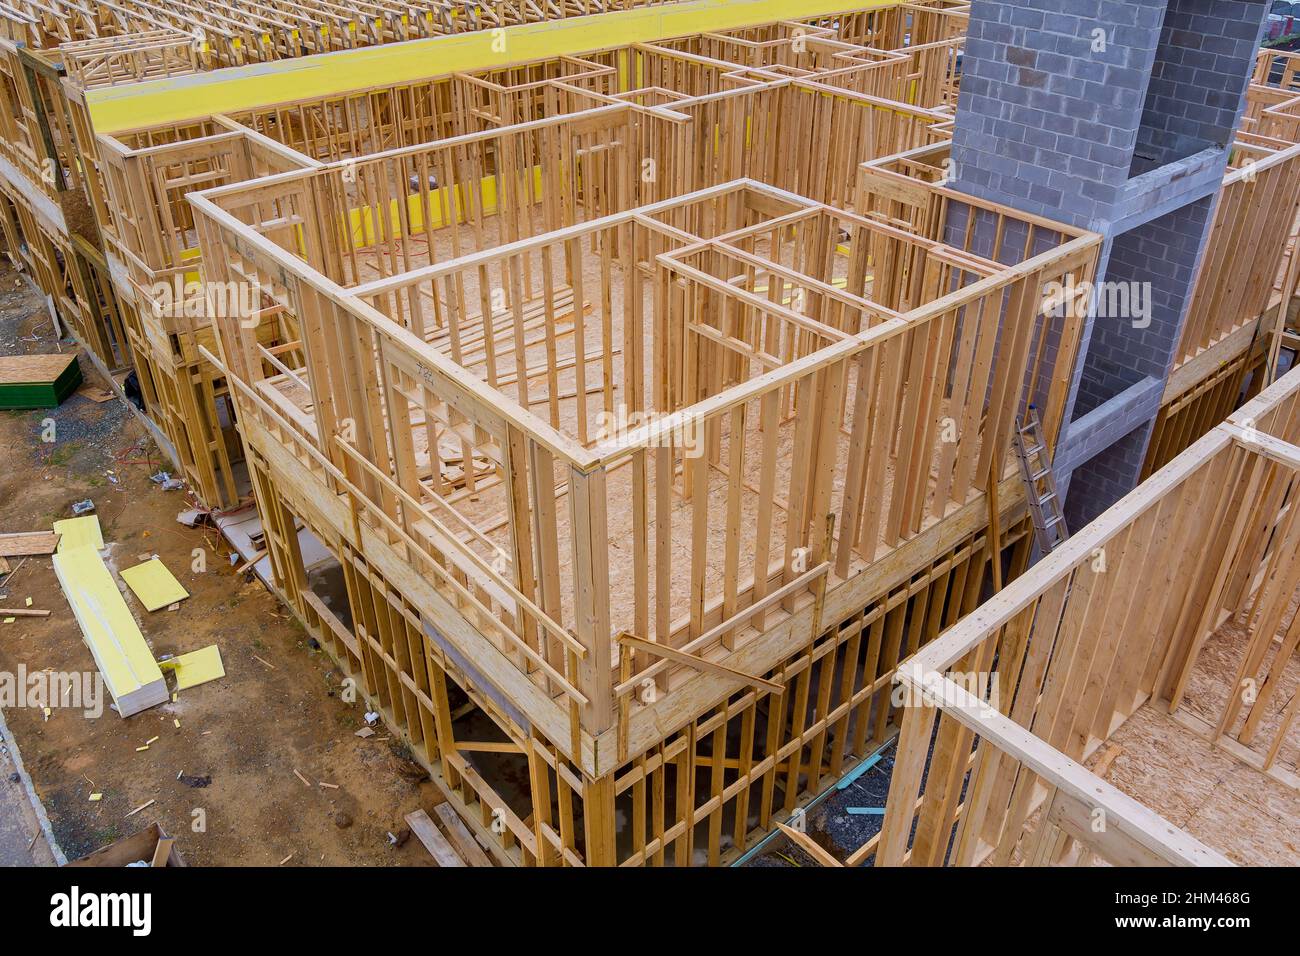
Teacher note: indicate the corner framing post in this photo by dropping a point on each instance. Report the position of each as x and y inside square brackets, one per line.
[590, 534]
[598, 821]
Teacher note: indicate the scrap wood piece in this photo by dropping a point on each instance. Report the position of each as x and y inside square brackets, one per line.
[699, 663]
[21, 543]
[96, 394]
[154, 584]
[250, 562]
[1102, 766]
[441, 851]
[143, 806]
[162, 851]
[305, 782]
[83, 532]
[809, 846]
[460, 836]
[24, 612]
[131, 675]
[196, 667]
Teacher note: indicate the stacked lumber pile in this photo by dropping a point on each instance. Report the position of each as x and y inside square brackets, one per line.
[37, 381]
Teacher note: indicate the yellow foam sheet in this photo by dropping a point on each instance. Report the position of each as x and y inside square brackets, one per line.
[197, 667]
[79, 533]
[154, 585]
[124, 659]
[118, 108]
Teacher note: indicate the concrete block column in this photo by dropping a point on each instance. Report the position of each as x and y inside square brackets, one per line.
[1116, 117]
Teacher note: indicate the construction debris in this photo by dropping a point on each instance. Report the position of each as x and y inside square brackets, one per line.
[196, 667]
[143, 806]
[154, 584]
[433, 840]
[124, 659]
[28, 543]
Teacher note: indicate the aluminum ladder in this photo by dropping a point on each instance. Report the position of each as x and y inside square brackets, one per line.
[1040, 483]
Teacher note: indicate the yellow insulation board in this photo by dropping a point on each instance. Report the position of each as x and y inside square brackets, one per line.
[79, 533]
[154, 584]
[114, 109]
[197, 667]
[130, 673]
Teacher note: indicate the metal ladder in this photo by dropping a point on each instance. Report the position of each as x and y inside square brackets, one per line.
[1040, 483]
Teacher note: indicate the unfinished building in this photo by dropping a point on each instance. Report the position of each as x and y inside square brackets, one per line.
[648, 403]
[1176, 607]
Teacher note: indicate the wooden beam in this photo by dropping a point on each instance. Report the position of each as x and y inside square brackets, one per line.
[699, 663]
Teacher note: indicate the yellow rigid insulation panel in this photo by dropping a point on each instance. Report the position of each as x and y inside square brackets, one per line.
[154, 584]
[114, 109]
[124, 659]
[197, 667]
[79, 533]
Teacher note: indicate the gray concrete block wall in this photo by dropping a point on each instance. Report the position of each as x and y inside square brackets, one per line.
[1047, 121]
[1205, 55]
[1101, 381]
[1157, 261]
[1109, 422]
[1111, 115]
[1110, 475]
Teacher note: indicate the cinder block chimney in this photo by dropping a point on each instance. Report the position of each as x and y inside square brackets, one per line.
[1115, 116]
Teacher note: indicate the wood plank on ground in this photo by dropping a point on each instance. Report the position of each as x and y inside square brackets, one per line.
[441, 851]
[460, 836]
[28, 542]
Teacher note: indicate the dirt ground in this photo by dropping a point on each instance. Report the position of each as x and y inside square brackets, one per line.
[277, 710]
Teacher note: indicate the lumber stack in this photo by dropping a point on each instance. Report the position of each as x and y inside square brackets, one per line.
[37, 381]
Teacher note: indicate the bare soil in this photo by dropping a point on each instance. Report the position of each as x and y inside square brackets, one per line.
[248, 732]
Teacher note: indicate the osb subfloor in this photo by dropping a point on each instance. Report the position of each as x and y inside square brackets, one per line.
[1249, 816]
[486, 508]
[247, 732]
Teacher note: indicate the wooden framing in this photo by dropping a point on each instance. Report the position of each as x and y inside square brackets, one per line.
[725, 325]
[679, 341]
[124, 193]
[1070, 650]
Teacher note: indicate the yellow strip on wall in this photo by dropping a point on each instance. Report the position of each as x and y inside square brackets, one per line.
[361, 221]
[174, 99]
